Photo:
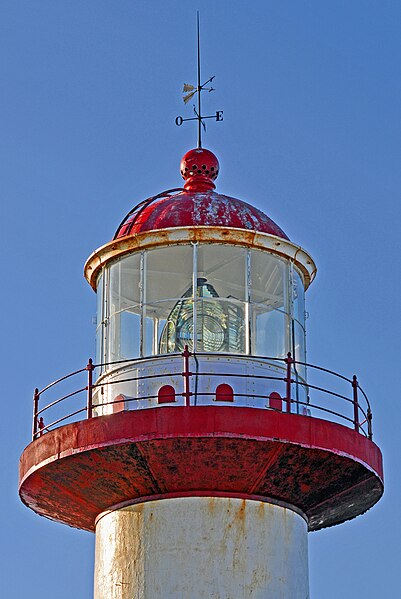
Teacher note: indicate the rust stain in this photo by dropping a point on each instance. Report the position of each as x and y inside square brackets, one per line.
[240, 515]
[211, 505]
[138, 508]
[305, 488]
[207, 234]
[261, 510]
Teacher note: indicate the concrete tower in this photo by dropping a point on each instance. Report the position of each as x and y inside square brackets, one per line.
[201, 454]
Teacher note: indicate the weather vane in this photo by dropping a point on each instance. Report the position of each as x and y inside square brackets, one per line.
[191, 90]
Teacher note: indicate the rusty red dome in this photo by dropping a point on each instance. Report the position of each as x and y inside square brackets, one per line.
[197, 204]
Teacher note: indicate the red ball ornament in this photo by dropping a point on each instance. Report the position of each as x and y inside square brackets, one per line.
[199, 168]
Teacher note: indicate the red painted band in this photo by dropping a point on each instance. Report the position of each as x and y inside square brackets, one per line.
[327, 471]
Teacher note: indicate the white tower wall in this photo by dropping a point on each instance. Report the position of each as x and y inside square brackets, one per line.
[201, 548]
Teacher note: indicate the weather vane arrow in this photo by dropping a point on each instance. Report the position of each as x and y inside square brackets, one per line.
[190, 91]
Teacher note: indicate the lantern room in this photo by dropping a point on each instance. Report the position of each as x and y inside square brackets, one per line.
[213, 297]
[193, 269]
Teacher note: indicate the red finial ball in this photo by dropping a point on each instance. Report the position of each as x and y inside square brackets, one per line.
[199, 168]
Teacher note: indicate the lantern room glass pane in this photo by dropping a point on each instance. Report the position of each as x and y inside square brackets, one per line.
[123, 307]
[220, 326]
[299, 343]
[220, 298]
[270, 308]
[168, 273]
[175, 330]
[113, 338]
[298, 298]
[123, 334]
[130, 334]
[224, 268]
[299, 353]
[99, 320]
[125, 284]
[270, 332]
[269, 276]
[168, 276]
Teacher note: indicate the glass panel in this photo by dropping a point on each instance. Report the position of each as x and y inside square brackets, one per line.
[176, 327]
[113, 338]
[270, 307]
[168, 273]
[99, 322]
[298, 296]
[160, 324]
[148, 335]
[123, 335]
[220, 298]
[298, 350]
[161, 310]
[223, 267]
[125, 283]
[123, 304]
[130, 334]
[299, 342]
[268, 280]
[220, 326]
[269, 332]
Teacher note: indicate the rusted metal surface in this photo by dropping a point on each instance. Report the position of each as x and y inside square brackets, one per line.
[201, 548]
[206, 234]
[199, 208]
[133, 214]
[76, 472]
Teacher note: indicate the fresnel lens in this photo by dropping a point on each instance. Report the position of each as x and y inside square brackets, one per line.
[219, 323]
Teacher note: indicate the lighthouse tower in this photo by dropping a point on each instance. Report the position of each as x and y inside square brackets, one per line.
[205, 447]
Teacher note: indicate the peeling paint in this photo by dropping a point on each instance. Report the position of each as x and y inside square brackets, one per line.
[198, 208]
[242, 452]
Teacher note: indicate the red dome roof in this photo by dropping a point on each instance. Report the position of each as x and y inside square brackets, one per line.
[192, 209]
[197, 204]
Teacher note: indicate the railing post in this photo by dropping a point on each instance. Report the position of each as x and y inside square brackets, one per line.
[186, 374]
[355, 400]
[369, 415]
[35, 413]
[90, 368]
[289, 361]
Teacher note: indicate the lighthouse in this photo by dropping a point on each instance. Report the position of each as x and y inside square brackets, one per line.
[199, 445]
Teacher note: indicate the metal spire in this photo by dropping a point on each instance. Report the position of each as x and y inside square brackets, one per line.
[199, 85]
[190, 92]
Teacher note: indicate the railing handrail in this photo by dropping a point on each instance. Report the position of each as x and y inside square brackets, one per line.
[60, 380]
[287, 364]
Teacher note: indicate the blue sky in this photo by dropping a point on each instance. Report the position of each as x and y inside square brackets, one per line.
[311, 93]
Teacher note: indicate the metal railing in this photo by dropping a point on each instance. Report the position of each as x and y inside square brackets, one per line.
[355, 411]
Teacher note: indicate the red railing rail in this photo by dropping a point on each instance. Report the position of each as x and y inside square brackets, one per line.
[359, 418]
[186, 354]
[90, 368]
[288, 380]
